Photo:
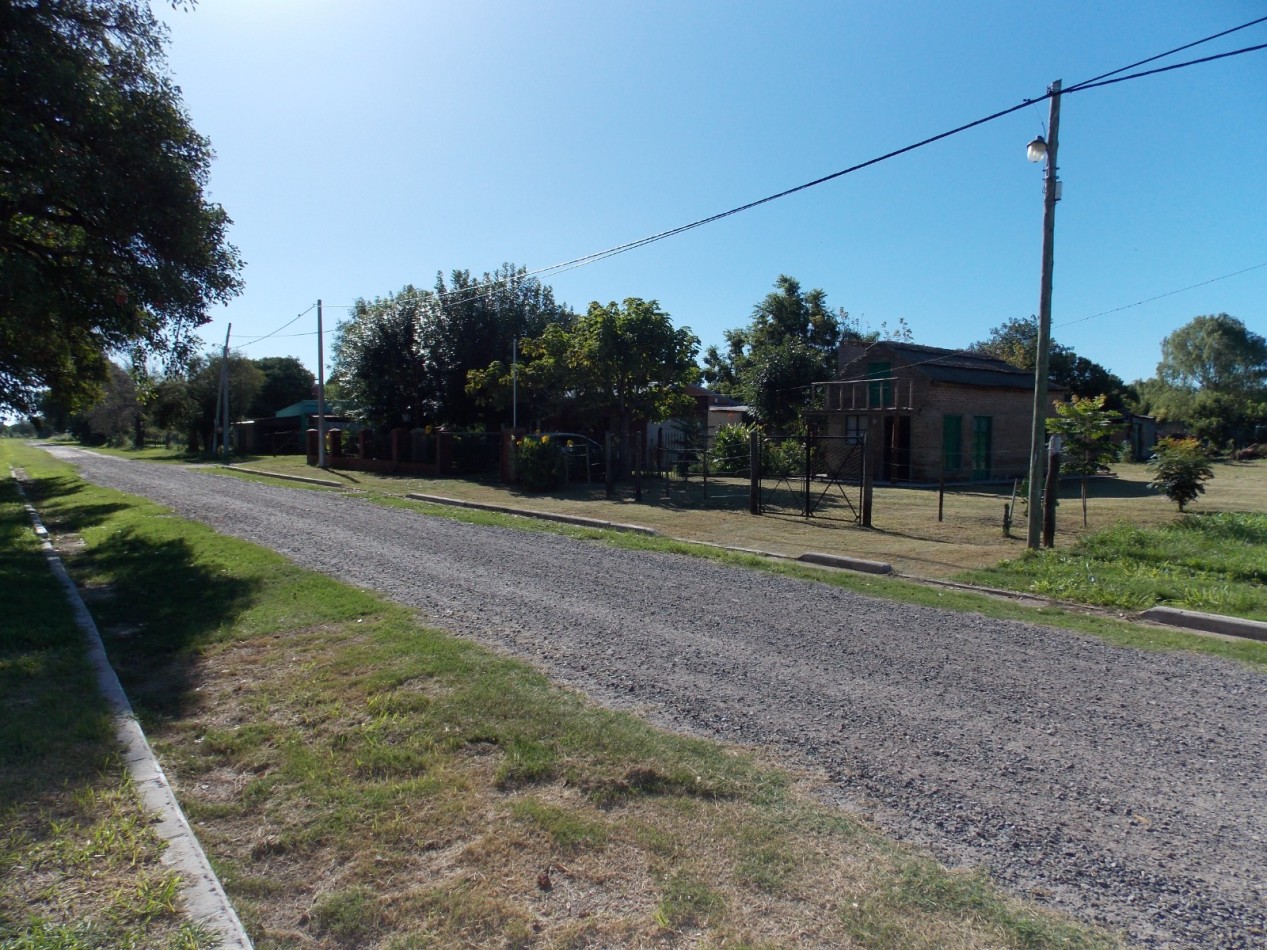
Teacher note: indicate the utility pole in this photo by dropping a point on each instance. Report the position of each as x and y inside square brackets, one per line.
[321, 394]
[514, 385]
[222, 410]
[1039, 428]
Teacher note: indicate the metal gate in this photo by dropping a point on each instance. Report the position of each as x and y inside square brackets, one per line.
[814, 476]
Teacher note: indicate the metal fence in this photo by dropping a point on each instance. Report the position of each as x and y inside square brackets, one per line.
[813, 476]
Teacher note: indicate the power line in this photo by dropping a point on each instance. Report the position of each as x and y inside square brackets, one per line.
[1105, 79]
[466, 295]
[1171, 293]
[279, 329]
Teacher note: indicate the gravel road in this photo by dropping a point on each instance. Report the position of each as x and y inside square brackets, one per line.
[1126, 787]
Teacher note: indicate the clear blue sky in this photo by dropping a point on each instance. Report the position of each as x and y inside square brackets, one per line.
[365, 145]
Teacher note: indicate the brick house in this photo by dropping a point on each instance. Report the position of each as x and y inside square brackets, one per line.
[934, 412]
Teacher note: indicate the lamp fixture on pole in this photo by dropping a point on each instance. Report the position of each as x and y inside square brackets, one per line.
[1039, 149]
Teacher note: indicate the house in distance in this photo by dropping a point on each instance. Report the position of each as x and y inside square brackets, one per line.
[937, 413]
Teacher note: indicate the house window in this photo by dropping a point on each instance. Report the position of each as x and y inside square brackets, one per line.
[952, 443]
[880, 394]
[982, 437]
[854, 428]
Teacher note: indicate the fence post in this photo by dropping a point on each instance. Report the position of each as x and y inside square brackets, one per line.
[808, 450]
[869, 445]
[941, 491]
[607, 469]
[754, 473]
[705, 468]
[640, 441]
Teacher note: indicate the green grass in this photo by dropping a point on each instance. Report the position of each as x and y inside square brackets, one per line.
[1215, 562]
[79, 861]
[360, 779]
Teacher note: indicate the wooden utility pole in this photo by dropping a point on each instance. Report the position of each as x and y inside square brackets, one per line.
[222, 407]
[321, 393]
[1038, 431]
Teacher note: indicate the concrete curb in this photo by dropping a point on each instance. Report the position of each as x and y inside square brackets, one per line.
[543, 515]
[846, 562]
[205, 899]
[1210, 623]
[327, 482]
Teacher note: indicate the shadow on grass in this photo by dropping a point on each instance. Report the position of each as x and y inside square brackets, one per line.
[54, 496]
[161, 605]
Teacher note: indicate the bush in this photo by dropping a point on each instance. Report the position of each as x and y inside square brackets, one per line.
[539, 463]
[729, 454]
[1179, 469]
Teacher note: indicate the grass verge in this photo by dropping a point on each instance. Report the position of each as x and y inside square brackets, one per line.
[79, 863]
[360, 780]
[1210, 562]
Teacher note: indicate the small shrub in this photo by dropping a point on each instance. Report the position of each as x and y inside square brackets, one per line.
[1180, 468]
[539, 463]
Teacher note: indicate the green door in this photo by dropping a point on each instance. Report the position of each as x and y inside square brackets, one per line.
[982, 434]
[951, 443]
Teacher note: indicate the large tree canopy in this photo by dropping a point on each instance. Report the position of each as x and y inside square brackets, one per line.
[107, 241]
[1213, 378]
[405, 357]
[790, 342]
[1217, 353]
[1016, 342]
[617, 363]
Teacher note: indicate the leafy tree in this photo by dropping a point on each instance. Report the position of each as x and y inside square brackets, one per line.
[107, 241]
[245, 380]
[1180, 469]
[790, 342]
[1217, 353]
[407, 357]
[115, 415]
[387, 356]
[482, 318]
[1213, 378]
[286, 382]
[1016, 342]
[631, 362]
[617, 363]
[1087, 430]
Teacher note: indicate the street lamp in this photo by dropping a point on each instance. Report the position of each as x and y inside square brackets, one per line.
[1038, 150]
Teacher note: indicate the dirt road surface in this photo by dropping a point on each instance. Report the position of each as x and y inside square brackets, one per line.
[1126, 787]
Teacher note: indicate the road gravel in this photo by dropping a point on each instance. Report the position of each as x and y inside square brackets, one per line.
[1124, 786]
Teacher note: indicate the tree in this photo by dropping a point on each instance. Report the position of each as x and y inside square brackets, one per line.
[286, 382]
[106, 239]
[1087, 430]
[386, 355]
[617, 363]
[790, 342]
[1217, 353]
[245, 380]
[407, 357]
[113, 418]
[1213, 378]
[1180, 468]
[1016, 342]
[482, 318]
[631, 361]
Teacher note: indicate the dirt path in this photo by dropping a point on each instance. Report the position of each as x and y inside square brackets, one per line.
[1129, 788]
